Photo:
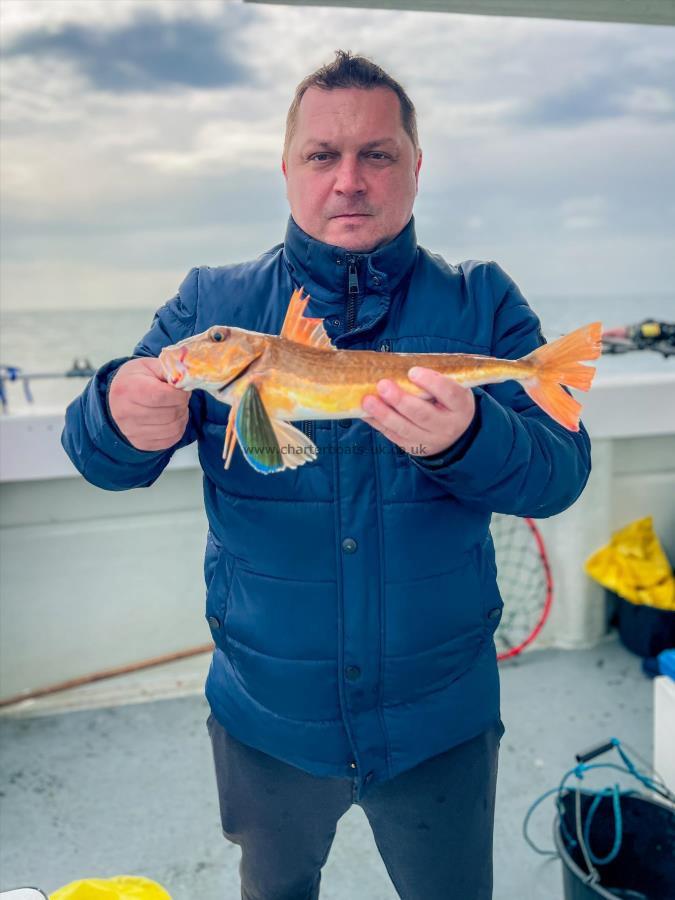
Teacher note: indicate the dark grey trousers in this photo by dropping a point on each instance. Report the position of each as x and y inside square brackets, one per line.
[432, 825]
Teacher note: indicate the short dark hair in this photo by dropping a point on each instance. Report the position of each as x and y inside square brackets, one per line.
[347, 71]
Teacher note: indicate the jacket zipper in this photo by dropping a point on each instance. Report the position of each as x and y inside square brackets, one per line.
[308, 426]
[352, 293]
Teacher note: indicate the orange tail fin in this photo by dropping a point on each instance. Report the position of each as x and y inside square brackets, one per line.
[560, 363]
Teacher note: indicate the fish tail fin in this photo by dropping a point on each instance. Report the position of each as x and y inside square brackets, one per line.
[559, 363]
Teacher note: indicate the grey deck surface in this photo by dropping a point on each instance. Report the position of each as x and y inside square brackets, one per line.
[130, 789]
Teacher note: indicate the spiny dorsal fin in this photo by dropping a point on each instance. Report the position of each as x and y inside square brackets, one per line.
[301, 330]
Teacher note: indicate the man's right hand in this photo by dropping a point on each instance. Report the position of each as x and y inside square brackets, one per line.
[150, 413]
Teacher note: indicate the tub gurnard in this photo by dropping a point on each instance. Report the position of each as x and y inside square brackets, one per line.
[270, 380]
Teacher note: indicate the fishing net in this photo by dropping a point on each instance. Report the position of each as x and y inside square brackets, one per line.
[524, 580]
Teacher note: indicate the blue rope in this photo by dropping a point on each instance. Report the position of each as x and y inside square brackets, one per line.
[618, 825]
[579, 771]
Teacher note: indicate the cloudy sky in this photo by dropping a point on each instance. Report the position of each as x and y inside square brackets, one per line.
[141, 138]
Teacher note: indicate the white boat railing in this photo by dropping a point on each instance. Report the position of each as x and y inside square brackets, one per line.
[624, 406]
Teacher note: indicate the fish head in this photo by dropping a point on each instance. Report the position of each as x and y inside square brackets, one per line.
[213, 359]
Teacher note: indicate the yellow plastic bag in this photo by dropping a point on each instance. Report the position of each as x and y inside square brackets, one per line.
[121, 887]
[634, 566]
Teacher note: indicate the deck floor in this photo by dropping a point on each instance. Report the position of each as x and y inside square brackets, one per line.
[130, 789]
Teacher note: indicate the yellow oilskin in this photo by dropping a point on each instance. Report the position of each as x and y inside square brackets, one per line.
[635, 567]
[120, 887]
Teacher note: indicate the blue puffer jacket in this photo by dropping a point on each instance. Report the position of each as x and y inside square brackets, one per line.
[353, 600]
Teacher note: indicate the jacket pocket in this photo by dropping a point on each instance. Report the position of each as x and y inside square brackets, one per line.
[219, 574]
[435, 630]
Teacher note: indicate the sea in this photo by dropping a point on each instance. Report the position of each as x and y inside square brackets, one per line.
[50, 341]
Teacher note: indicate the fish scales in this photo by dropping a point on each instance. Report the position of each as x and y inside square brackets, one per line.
[321, 381]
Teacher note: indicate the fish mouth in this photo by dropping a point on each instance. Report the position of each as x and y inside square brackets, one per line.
[174, 365]
[236, 375]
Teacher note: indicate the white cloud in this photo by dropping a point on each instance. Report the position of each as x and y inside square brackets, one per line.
[221, 144]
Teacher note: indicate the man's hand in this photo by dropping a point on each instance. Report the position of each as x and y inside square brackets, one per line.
[422, 425]
[150, 413]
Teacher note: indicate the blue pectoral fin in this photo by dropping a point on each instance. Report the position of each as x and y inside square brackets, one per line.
[256, 435]
[269, 445]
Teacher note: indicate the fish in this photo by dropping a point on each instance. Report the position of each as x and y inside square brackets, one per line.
[271, 380]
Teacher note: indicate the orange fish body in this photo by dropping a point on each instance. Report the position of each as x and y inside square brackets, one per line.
[271, 380]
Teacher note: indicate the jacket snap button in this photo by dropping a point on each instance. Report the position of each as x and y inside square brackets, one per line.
[494, 613]
[352, 672]
[352, 765]
[345, 423]
[349, 545]
[213, 621]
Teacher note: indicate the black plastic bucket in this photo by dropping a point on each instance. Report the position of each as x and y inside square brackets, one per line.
[644, 630]
[643, 869]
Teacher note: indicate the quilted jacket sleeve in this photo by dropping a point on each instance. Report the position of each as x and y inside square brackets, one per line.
[97, 448]
[513, 458]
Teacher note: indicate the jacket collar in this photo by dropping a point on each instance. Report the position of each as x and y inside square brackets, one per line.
[322, 269]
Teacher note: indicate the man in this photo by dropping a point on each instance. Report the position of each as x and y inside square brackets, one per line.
[352, 600]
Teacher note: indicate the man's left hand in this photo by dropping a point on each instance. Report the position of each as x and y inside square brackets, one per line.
[423, 425]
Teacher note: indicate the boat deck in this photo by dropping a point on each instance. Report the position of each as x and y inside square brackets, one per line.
[108, 780]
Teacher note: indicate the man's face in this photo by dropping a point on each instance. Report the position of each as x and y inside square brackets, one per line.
[352, 171]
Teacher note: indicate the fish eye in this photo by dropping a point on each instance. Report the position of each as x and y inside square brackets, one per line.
[218, 334]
